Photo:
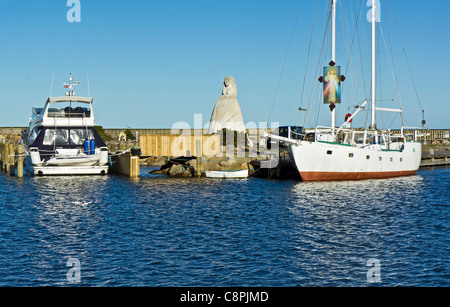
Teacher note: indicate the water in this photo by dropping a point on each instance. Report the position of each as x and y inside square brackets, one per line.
[159, 231]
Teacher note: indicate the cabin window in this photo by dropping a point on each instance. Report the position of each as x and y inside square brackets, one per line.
[359, 138]
[56, 137]
[77, 136]
[391, 159]
[310, 137]
[367, 157]
[380, 158]
[350, 155]
[370, 139]
[329, 152]
[401, 159]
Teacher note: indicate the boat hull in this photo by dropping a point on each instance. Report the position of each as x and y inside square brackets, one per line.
[66, 164]
[70, 170]
[337, 176]
[322, 161]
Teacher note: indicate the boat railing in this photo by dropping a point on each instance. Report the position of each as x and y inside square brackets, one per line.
[412, 133]
[295, 135]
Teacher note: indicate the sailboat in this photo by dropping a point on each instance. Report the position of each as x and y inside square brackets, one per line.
[343, 153]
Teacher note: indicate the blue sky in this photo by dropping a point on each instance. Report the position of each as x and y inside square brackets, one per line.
[154, 63]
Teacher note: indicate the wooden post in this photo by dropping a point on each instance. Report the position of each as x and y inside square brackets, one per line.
[134, 167]
[11, 158]
[6, 159]
[198, 167]
[198, 153]
[20, 161]
[1, 156]
[126, 164]
[3, 153]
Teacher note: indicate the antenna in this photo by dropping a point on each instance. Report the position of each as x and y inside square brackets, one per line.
[70, 86]
[51, 86]
[89, 89]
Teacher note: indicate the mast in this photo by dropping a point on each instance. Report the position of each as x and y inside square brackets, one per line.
[333, 57]
[70, 86]
[374, 73]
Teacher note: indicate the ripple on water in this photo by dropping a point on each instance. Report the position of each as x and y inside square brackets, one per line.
[158, 231]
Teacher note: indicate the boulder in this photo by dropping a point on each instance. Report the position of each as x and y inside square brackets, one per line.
[176, 170]
[224, 164]
[244, 166]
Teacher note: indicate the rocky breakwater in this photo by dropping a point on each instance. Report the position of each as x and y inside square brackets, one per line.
[191, 167]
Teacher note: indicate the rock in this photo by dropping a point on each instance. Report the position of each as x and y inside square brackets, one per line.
[187, 172]
[176, 170]
[227, 112]
[154, 161]
[224, 164]
[244, 166]
[160, 171]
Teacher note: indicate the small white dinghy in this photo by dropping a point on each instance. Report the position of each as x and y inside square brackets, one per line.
[227, 174]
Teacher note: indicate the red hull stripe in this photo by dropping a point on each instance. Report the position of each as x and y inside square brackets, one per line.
[335, 176]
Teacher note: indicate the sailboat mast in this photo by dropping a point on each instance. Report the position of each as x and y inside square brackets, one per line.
[374, 73]
[333, 31]
[333, 56]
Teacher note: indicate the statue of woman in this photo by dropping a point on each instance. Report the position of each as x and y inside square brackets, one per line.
[227, 112]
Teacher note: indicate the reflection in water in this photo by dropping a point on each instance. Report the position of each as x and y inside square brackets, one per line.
[340, 225]
[160, 231]
[67, 222]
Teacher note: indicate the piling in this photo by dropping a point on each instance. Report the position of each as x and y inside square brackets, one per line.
[2, 152]
[198, 150]
[11, 159]
[19, 161]
[126, 164]
[6, 159]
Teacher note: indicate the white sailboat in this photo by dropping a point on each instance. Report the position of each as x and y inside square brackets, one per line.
[341, 153]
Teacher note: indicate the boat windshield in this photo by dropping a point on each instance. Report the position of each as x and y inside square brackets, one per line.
[69, 110]
[67, 136]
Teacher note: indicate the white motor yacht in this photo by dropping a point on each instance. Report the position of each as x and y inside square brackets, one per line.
[61, 137]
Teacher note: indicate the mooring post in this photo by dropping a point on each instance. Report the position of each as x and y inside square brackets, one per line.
[198, 154]
[3, 152]
[198, 167]
[20, 161]
[6, 159]
[11, 158]
[1, 156]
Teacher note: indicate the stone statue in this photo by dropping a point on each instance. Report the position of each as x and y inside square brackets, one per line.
[227, 112]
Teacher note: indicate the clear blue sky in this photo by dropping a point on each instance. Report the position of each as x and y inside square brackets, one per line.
[154, 63]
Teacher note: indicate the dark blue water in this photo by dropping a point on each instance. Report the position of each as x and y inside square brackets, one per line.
[158, 231]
